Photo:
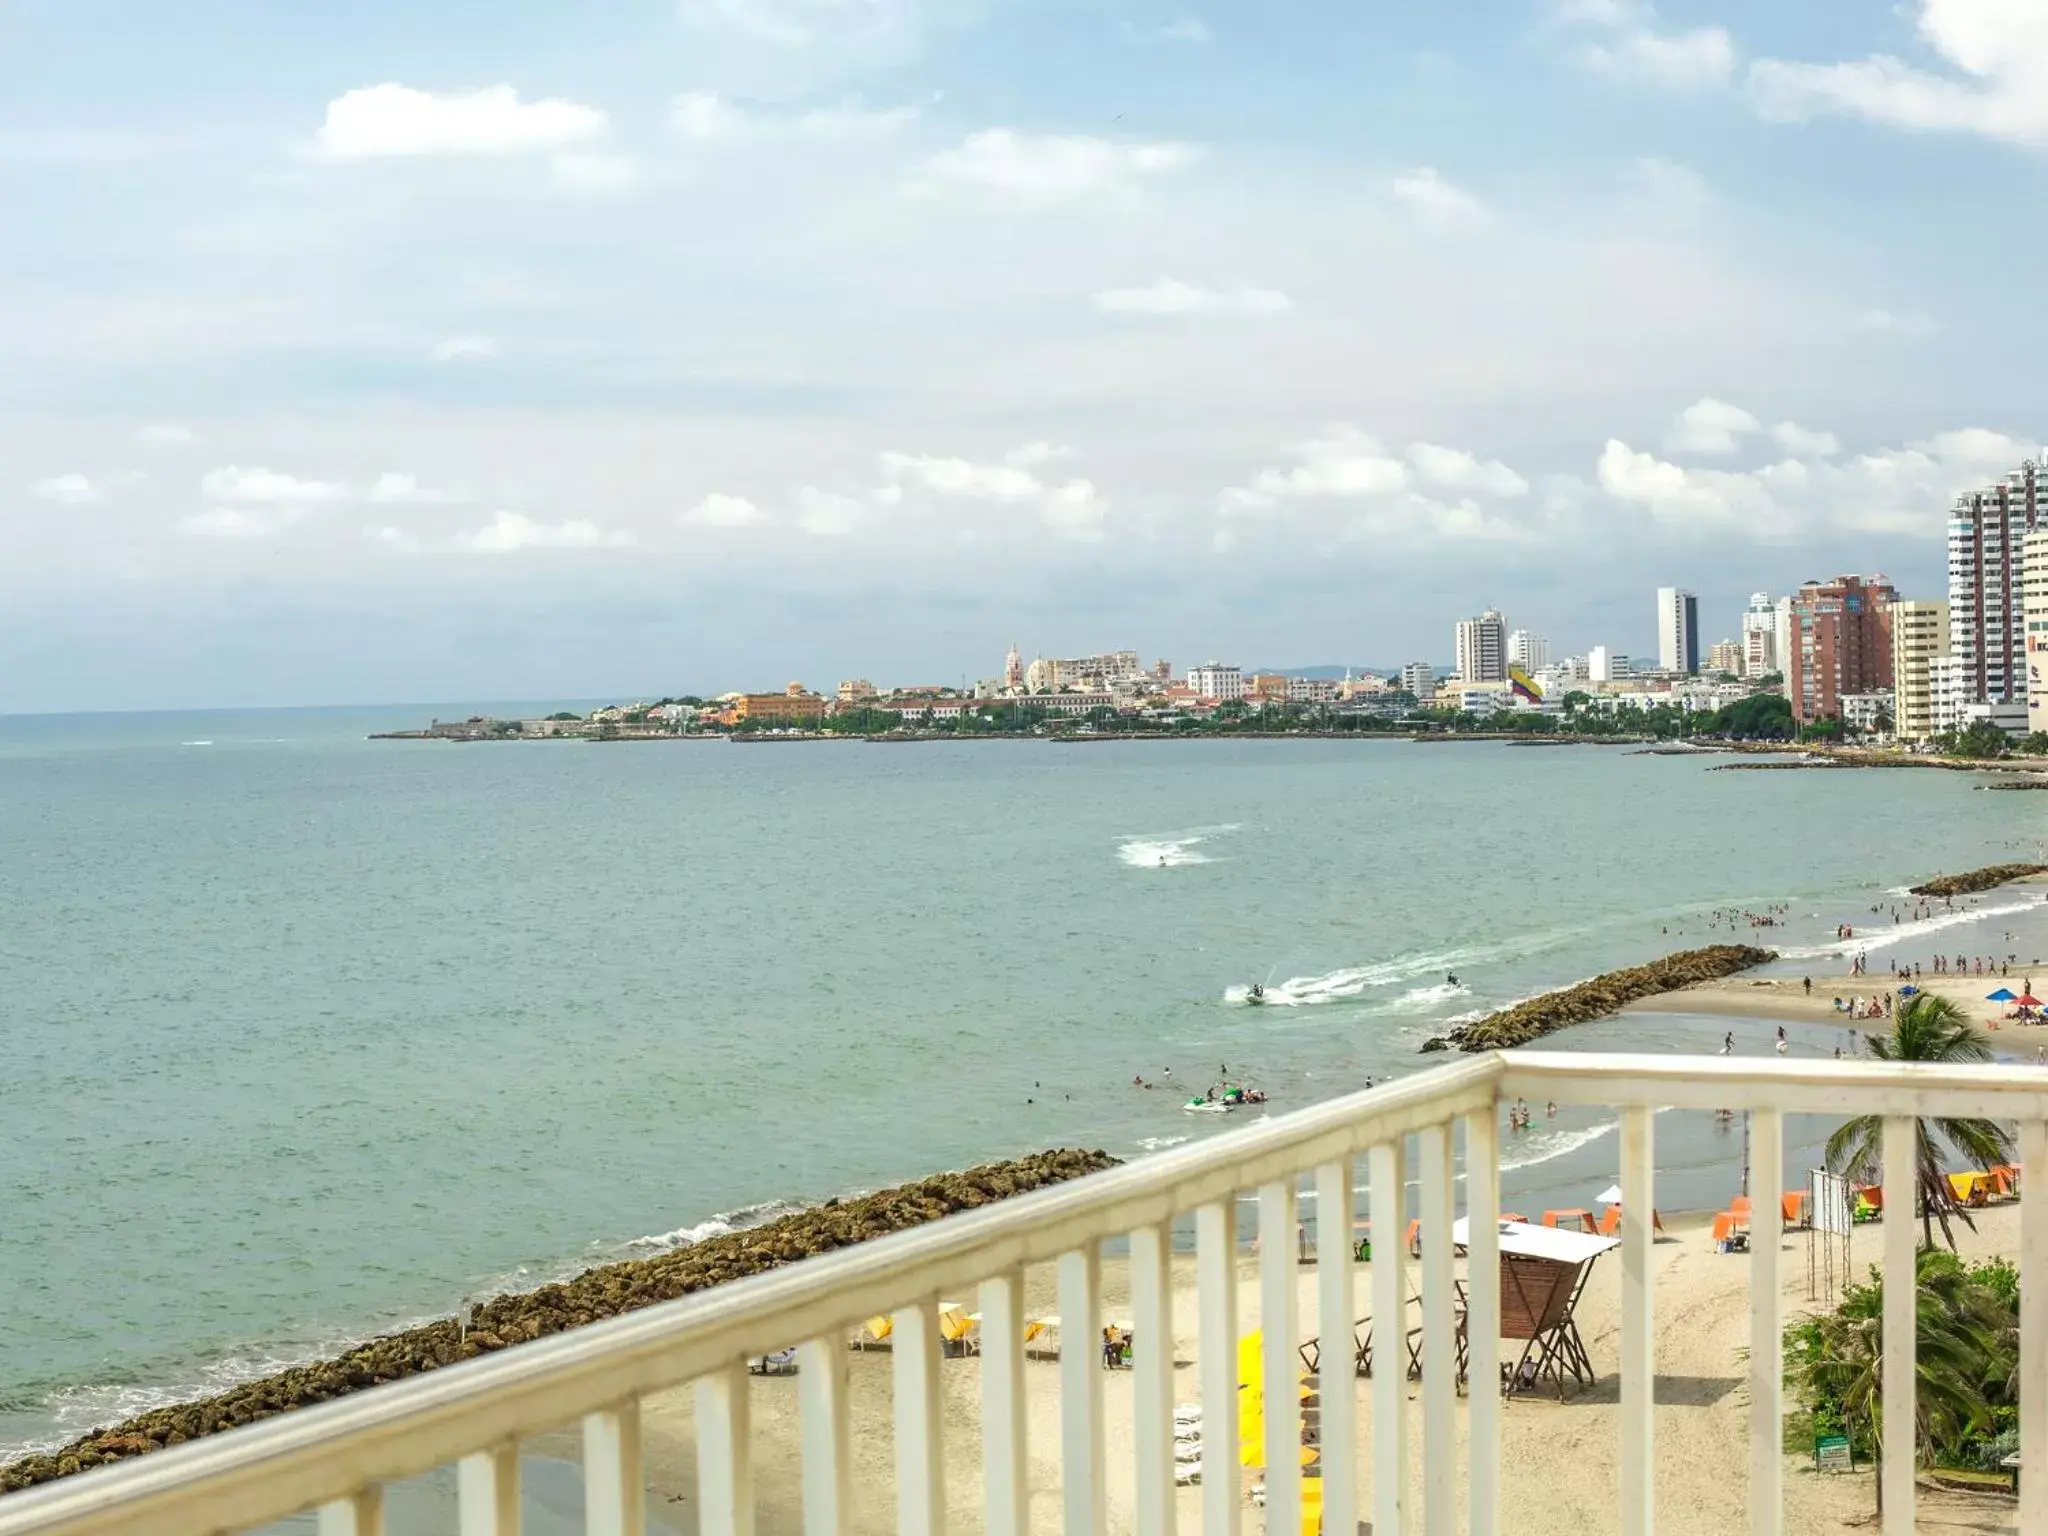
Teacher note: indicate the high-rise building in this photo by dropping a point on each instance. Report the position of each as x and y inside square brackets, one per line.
[1725, 657]
[1678, 630]
[1528, 651]
[1987, 530]
[1761, 654]
[1217, 681]
[2034, 610]
[1919, 636]
[1419, 678]
[1843, 644]
[1604, 666]
[1483, 648]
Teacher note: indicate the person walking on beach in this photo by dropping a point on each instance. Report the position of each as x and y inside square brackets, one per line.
[1728, 1043]
[1809, 985]
[1781, 1040]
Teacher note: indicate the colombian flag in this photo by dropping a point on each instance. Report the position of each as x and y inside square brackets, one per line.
[1524, 686]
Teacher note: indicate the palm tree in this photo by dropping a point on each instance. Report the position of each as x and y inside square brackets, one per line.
[1925, 1028]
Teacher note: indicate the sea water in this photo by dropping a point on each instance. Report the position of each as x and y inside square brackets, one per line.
[308, 1036]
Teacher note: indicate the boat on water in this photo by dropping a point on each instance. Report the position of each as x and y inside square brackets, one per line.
[1222, 1100]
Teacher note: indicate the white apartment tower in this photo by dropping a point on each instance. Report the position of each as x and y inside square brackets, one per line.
[1419, 678]
[1760, 653]
[1919, 638]
[1217, 681]
[1483, 648]
[1987, 530]
[1527, 651]
[2034, 604]
[1678, 630]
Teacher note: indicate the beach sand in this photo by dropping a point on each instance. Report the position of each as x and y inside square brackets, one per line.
[1785, 998]
[1560, 1461]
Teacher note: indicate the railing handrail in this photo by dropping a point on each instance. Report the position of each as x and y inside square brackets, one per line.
[307, 1457]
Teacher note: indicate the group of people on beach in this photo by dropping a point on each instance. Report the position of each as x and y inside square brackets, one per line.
[1519, 1116]
[1971, 965]
[1860, 1007]
[1734, 919]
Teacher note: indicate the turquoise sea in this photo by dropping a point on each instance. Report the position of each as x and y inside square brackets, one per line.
[308, 1036]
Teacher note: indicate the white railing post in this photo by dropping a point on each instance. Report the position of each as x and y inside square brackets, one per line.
[1152, 1376]
[1389, 1339]
[1279, 1318]
[1439, 1336]
[614, 1497]
[1216, 1354]
[1766, 1326]
[725, 1455]
[1004, 1412]
[827, 1436]
[487, 1492]
[1482, 1319]
[2033, 1361]
[1081, 1450]
[1901, 1321]
[1638, 1332]
[920, 1462]
[1337, 1310]
[361, 1515]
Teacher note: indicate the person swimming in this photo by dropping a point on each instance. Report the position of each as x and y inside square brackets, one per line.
[1450, 978]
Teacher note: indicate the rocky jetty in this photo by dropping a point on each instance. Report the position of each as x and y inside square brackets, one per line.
[1984, 879]
[1598, 998]
[507, 1321]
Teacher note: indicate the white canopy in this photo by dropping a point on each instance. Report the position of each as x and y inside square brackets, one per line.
[1554, 1243]
[1611, 1195]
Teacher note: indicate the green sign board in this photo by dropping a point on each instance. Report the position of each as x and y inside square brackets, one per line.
[1831, 1454]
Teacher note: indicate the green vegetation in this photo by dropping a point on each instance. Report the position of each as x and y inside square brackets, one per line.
[1967, 1343]
[1932, 1029]
[1981, 740]
[565, 714]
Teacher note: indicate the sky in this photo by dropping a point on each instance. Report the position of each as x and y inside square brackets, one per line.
[395, 352]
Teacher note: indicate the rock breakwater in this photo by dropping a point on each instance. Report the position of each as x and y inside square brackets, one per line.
[1598, 998]
[1973, 880]
[607, 1291]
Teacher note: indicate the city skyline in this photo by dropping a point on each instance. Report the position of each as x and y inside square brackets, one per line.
[460, 353]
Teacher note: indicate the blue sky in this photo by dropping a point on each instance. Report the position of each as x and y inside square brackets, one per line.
[398, 352]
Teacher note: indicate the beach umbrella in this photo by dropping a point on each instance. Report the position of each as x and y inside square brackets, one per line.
[2028, 1000]
[1611, 1195]
[2002, 995]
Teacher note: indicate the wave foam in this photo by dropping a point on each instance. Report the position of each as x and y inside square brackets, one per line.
[1170, 850]
[1876, 937]
[717, 1226]
[1160, 1143]
[1548, 1146]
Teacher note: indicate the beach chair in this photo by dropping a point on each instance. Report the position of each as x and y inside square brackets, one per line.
[781, 1363]
[1730, 1236]
[2008, 1181]
[1570, 1221]
[1871, 1195]
[874, 1333]
[1792, 1208]
[1739, 1208]
[1610, 1221]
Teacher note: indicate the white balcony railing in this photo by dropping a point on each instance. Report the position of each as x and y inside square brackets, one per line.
[338, 1458]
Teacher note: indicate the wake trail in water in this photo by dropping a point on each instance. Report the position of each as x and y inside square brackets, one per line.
[1170, 850]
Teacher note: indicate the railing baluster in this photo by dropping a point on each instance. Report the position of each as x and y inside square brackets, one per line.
[725, 1460]
[1901, 1321]
[1216, 1352]
[1152, 1376]
[1388, 1164]
[487, 1492]
[1766, 1326]
[1004, 1454]
[614, 1497]
[1337, 1310]
[362, 1515]
[2033, 1362]
[1638, 1335]
[827, 1436]
[1279, 1320]
[1482, 1319]
[1439, 1336]
[1081, 1453]
[920, 1464]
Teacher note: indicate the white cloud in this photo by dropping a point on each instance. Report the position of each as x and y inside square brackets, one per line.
[580, 172]
[1049, 168]
[1912, 325]
[391, 119]
[1038, 453]
[164, 434]
[1454, 469]
[1169, 296]
[1633, 49]
[239, 522]
[1436, 200]
[1805, 442]
[456, 348]
[827, 514]
[1346, 462]
[719, 510]
[1073, 508]
[1997, 55]
[266, 487]
[1710, 426]
[402, 489]
[71, 490]
[1187, 29]
[509, 532]
[958, 477]
[708, 118]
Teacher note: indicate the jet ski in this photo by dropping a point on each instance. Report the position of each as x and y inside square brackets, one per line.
[1254, 995]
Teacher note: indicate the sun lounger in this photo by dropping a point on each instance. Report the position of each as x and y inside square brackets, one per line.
[1792, 1208]
[781, 1363]
[1570, 1221]
[1187, 1473]
[1730, 1235]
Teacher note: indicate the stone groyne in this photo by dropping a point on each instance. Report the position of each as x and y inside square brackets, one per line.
[1973, 880]
[1598, 998]
[507, 1321]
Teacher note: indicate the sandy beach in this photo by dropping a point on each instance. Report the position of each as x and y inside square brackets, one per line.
[1559, 1460]
[1788, 999]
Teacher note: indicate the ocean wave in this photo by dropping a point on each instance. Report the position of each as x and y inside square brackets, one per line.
[1154, 850]
[195, 743]
[715, 1226]
[1160, 1143]
[1548, 1146]
[1418, 1000]
[1883, 937]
